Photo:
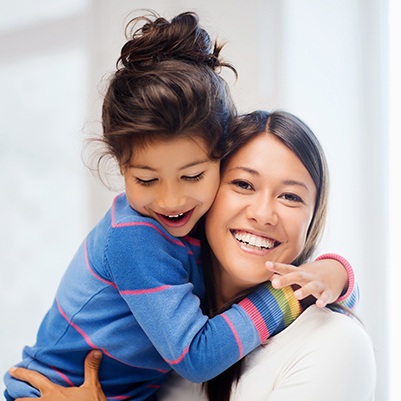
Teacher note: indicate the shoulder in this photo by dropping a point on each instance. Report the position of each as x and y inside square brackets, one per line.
[319, 353]
[322, 328]
[323, 337]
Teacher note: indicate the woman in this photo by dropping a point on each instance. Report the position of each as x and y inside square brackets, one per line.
[272, 202]
[271, 205]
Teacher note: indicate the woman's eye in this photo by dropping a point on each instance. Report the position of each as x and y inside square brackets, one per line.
[291, 197]
[145, 182]
[196, 177]
[242, 184]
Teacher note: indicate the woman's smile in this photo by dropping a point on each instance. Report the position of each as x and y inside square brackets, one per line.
[254, 243]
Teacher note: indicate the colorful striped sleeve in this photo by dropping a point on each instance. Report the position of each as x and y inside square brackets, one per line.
[271, 310]
[351, 297]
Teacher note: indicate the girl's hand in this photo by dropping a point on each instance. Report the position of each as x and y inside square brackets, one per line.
[324, 279]
[90, 390]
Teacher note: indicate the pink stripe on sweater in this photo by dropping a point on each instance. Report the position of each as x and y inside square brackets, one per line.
[78, 329]
[64, 377]
[192, 240]
[92, 271]
[348, 268]
[179, 359]
[256, 317]
[142, 223]
[236, 336]
[93, 346]
[125, 292]
[146, 291]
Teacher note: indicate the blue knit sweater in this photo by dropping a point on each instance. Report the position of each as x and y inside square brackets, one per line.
[133, 291]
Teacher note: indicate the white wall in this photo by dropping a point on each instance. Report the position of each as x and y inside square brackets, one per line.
[323, 60]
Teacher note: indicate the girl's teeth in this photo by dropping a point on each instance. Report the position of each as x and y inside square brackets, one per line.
[174, 216]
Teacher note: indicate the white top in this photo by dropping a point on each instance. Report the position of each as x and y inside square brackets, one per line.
[323, 355]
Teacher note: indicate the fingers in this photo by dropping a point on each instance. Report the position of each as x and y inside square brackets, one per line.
[285, 275]
[33, 378]
[323, 297]
[280, 268]
[92, 365]
[310, 283]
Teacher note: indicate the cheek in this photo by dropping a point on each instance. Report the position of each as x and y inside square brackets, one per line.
[206, 190]
[298, 227]
[209, 192]
[137, 198]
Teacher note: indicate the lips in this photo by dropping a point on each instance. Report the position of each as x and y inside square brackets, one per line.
[175, 220]
[254, 241]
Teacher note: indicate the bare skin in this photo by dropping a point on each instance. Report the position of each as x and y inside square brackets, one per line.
[89, 390]
[325, 280]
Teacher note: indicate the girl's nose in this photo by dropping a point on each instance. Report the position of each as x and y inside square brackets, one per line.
[171, 198]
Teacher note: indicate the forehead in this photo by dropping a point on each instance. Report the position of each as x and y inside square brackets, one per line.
[264, 147]
[194, 145]
[268, 156]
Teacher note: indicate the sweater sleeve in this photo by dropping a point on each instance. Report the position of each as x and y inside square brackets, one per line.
[152, 277]
[351, 297]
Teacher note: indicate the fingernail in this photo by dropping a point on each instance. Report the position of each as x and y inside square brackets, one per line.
[97, 355]
[269, 265]
[12, 369]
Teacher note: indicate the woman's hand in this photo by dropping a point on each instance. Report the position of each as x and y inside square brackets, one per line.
[324, 279]
[90, 390]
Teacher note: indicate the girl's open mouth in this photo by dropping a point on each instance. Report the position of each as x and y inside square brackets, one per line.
[175, 220]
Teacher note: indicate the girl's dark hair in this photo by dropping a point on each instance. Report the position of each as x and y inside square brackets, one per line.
[167, 84]
[298, 137]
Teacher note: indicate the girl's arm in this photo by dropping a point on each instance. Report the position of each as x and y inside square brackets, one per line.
[164, 294]
[330, 278]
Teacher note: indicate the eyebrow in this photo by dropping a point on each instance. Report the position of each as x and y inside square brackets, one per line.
[191, 164]
[247, 169]
[296, 183]
[256, 173]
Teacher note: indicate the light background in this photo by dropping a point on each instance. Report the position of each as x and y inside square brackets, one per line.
[328, 61]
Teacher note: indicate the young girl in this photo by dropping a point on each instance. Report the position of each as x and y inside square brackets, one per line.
[134, 288]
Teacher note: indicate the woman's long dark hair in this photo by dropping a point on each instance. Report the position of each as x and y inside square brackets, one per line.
[298, 137]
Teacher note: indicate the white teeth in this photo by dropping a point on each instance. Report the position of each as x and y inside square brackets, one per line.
[254, 240]
[174, 216]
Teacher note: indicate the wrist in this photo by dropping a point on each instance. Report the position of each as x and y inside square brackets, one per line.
[349, 270]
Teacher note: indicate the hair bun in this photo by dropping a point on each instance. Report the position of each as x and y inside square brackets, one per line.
[159, 40]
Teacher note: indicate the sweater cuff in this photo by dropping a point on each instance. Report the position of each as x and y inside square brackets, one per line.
[348, 269]
[271, 310]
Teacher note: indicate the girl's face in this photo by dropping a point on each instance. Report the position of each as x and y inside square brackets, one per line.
[262, 212]
[173, 181]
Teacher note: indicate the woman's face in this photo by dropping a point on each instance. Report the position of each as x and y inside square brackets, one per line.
[262, 212]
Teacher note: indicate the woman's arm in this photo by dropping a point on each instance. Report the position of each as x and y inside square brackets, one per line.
[90, 390]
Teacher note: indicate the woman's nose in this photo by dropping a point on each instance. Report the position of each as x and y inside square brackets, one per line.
[263, 210]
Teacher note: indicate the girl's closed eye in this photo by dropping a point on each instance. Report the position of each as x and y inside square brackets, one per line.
[145, 183]
[196, 177]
